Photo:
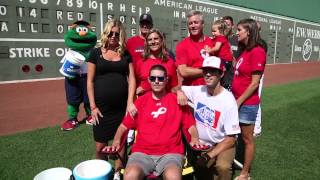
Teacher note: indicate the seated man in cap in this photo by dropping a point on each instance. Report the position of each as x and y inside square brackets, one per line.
[216, 114]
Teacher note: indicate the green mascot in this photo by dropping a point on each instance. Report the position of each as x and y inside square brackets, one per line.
[80, 39]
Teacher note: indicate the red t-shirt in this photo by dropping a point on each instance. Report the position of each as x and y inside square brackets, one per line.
[159, 124]
[135, 46]
[248, 62]
[188, 53]
[144, 66]
[224, 52]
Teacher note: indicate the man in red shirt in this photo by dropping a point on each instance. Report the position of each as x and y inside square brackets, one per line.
[159, 122]
[189, 50]
[135, 44]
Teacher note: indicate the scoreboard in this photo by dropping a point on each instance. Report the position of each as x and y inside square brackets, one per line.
[31, 31]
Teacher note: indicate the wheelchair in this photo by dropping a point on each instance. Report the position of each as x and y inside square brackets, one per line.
[187, 171]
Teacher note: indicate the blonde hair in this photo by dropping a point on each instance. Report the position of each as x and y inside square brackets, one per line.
[222, 26]
[104, 41]
[163, 53]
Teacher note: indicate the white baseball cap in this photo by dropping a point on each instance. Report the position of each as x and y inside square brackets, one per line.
[213, 62]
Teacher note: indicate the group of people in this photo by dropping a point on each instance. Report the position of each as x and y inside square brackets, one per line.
[137, 84]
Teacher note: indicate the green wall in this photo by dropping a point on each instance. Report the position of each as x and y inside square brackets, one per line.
[306, 9]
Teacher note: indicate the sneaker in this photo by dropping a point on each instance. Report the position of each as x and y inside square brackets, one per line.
[255, 135]
[89, 120]
[116, 175]
[69, 125]
[130, 137]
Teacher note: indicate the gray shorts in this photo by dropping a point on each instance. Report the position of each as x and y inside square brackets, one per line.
[155, 163]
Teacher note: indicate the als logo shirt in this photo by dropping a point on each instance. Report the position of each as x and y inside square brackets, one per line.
[207, 116]
[161, 110]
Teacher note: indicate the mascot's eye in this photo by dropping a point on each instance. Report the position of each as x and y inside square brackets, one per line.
[85, 29]
[78, 29]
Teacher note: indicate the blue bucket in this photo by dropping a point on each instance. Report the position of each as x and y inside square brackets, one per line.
[92, 170]
[60, 173]
[71, 64]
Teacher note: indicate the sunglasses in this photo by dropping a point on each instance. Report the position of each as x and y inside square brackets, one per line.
[116, 34]
[211, 72]
[146, 24]
[154, 78]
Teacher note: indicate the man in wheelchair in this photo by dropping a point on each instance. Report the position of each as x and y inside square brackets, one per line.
[158, 148]
[216, 114]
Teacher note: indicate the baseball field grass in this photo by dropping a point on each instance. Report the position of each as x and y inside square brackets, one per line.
[289, 147]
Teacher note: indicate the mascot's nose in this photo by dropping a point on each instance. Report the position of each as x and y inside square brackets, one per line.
[82, 33]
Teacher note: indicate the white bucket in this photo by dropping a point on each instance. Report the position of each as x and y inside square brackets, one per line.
[92, 170]
[60, 173]
[71, 64]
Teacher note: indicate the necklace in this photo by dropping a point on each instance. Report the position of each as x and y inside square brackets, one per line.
[110, 54]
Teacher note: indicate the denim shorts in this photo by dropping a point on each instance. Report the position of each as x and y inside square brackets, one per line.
[248, 114]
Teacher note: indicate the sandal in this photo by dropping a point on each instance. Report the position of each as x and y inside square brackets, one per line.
[243, 177]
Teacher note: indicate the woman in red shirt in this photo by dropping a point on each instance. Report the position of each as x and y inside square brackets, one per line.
[155, 52]
[248, 72]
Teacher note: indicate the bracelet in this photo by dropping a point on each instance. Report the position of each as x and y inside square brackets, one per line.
[93, 108]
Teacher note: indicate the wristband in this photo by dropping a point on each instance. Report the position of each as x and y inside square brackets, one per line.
[93, 108]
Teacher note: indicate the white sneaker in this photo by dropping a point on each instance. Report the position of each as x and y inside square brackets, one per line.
[255, 135]
[130, 137]
[116, 176]
[89, 120]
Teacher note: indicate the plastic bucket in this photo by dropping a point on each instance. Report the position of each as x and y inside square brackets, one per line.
[92, 170]
[60, 173]
[71, 64]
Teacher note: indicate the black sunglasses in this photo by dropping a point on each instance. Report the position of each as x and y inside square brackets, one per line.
[211, 72]
[116, 34]
[160, 78]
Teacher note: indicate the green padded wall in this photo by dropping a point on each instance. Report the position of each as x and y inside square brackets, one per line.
[306, 10]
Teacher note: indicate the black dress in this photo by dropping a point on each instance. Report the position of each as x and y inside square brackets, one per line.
[110, 93]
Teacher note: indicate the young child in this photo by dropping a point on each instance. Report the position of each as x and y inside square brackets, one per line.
[221, 48]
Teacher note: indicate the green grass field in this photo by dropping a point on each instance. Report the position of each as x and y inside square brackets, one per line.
[289, 147]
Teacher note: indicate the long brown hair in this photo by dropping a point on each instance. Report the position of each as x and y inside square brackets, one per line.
[253, 33]
[163, 53]
[104, 41]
